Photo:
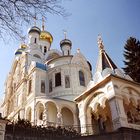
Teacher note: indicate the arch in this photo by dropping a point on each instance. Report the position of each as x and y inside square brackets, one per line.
[67, 106]
[91, 97]
[43, 87]
[29, 114]
[126, 99]
[52, 54]
[132, 111]
[37, 56]
[52, 112]
[67, 116]
[130, 97]
[79, 59]
[94, 123]
[37, 52]
[57, 79]
[81, 78]
[50, 101]
[101, 119]
[67, 81]
[39, 111]
[134, 102]
[102, 101]
[130, 90]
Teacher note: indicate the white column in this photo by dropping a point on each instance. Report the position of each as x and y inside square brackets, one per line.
[45, 115]
[22, 114]
[89, 123]
[119, 118]
[59, 117]
[82, 118]
[75, 119]
[32, 115]
[35, 114]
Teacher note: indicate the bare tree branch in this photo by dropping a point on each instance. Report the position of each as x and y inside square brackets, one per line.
[15, 13]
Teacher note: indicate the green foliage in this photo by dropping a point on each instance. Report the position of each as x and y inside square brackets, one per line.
[24, 128]
[132, 58]
[23, 123]
[16, 13]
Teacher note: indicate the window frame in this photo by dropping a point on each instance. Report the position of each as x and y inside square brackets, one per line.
[42, 84]
[58, 79]
[82, 78]
[67, 86]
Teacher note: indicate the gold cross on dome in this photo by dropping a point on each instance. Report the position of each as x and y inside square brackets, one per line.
[43, 24]
[35, 19]
[65, 34]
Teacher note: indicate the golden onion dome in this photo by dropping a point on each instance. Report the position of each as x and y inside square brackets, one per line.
[44, 35]
[23, 46]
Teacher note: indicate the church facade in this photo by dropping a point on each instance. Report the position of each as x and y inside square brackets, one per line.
[52, 87]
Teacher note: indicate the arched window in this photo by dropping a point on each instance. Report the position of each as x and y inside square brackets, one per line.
[35, 40]
[42, 86]
[29, 114]
[58, 79]
[81, 78]
[41, 116]
[67, 81]
[45, 49]
[30, 86]
[37, 56]
[68, 52]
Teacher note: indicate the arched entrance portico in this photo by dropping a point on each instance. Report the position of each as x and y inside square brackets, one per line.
[95, 115]
[67, 116]
[39, 113]
[101, 120]
[51, 113]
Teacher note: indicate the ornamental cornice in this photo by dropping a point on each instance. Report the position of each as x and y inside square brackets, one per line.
[63, 66]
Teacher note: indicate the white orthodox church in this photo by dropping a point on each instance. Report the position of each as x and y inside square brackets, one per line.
[54, 87]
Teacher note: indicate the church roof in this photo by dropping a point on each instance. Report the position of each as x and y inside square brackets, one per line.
[104, 61]
[65, 41]
[105, 66]
[34, 29]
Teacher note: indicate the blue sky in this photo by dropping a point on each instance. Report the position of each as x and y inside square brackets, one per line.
[115, 20]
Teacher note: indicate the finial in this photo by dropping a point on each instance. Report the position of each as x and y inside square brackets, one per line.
[78, 50]
[65, 34]
[35, 19]
[23, 39]
[100, 42]
[43, 22]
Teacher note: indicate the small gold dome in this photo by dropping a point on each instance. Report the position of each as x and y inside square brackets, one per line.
[23, 46]
[44, 35]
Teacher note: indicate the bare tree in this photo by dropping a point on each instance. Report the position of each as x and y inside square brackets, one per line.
[15, 13]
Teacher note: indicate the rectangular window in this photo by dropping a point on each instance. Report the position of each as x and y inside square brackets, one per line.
[57, 79]
[42, 86]
[30, 87]
[81, 78]
[50, 85]
[67, 82]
